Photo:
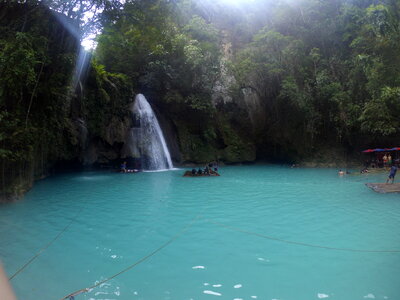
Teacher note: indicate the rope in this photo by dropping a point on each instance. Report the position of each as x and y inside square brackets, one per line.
[298, 243]
[45, 247]
[173, 238]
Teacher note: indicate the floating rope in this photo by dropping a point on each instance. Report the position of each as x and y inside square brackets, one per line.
[173, 238]
[298, 243]
[45, 247]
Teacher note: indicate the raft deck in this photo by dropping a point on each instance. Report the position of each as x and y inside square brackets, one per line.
[189, 174]
[384, 188]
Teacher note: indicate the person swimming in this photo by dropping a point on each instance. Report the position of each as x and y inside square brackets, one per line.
[123, 167]
[215, 166]
[207, 170]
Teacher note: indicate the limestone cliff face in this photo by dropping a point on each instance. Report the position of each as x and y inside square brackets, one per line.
[221, 89]
[250, 101]
[247, 100]
[113, 141]
[239, 113]
[107, 146]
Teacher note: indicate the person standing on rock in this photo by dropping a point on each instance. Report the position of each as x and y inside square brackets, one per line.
[385, 159]
[392, 173]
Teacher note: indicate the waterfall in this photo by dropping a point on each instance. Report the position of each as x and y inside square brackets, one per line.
[146, 138]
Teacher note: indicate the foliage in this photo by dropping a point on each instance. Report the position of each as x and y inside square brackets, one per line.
[108, 96]
[322, 69]
[380, 116]
[148, 45]
[36, 64]
[332, 66]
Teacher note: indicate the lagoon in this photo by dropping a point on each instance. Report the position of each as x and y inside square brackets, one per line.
[256, 232]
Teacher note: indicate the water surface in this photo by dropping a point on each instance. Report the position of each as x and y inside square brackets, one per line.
[219, 229]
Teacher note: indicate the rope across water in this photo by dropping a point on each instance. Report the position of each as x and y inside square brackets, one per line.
[176, 236]
[173, 238]
[46, 246]
[180, 233]
[298, 243]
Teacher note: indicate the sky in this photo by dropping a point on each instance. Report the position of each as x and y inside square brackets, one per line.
[235, 2]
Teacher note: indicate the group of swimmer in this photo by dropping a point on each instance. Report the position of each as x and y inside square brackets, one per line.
[342, 173]
[209, 169]
[392, 173]
[212, 169]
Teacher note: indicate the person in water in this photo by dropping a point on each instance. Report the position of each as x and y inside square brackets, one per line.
[193, 171]
[392, 173]
[123, 167]
[207, 170]
[215, 166]
[341, 173]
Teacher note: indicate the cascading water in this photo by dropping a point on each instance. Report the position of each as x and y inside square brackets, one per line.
[145, 139]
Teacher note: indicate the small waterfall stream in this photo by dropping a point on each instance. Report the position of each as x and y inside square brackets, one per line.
[145, 139]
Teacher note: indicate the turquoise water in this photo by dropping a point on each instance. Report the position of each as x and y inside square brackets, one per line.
[219, 228]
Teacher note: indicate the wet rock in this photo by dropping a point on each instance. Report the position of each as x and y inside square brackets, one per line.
[116, 130]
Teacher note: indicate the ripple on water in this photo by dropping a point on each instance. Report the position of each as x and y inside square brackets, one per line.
[208, 292]
[198, 267]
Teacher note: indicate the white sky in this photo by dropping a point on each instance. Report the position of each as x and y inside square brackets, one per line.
[235, 2]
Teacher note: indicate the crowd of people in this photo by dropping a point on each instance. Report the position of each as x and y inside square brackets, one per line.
[382, 162]
[385, 161]
[209, 169]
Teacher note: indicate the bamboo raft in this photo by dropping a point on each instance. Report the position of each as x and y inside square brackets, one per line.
[384, 188]
[189, 174]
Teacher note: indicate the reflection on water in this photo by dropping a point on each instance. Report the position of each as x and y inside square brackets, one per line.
[92, 178]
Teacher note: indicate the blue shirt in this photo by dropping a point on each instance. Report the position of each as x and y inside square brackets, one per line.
[393, 170]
